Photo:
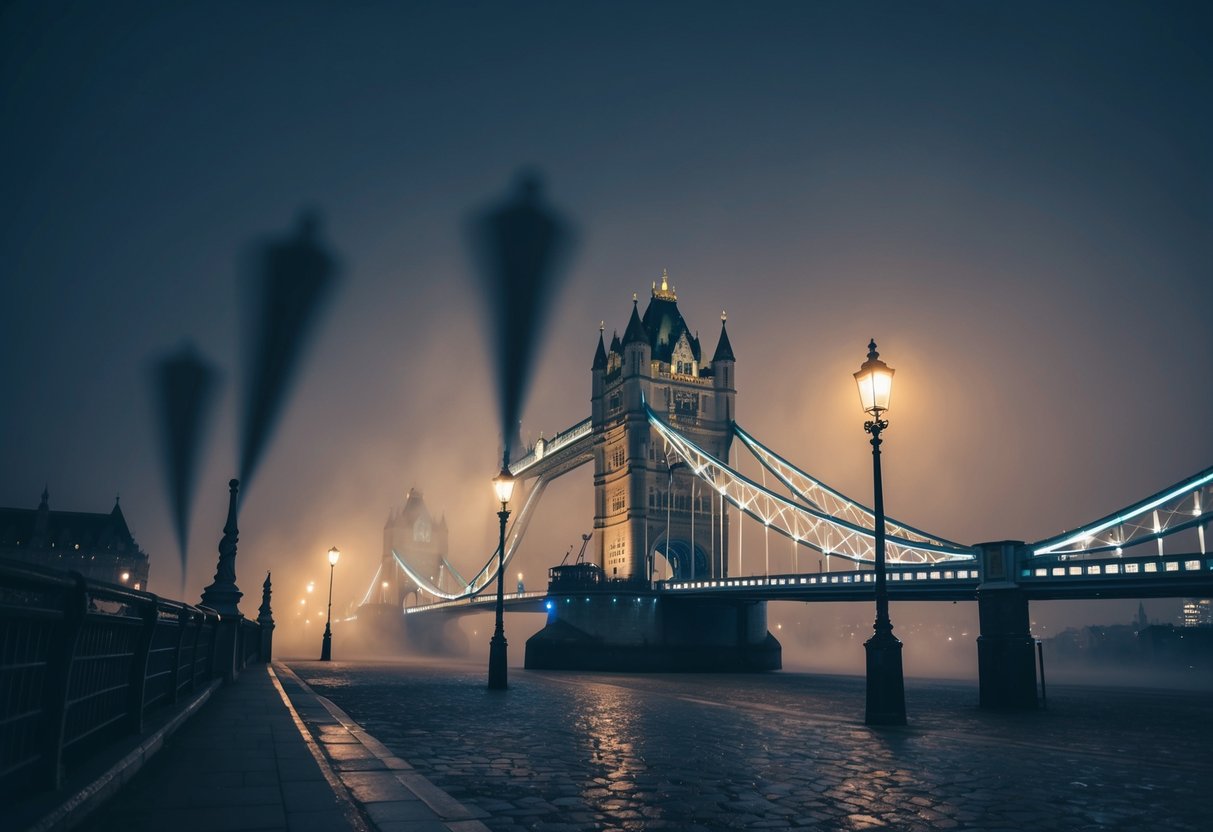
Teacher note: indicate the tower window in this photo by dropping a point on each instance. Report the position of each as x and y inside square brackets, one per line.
[617, 457]
[686, 403]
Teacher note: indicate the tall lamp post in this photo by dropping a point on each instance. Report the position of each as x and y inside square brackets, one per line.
[886, 700]
[326, 649]
[503, 485]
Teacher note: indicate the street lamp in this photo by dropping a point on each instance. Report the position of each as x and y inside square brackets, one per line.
[503, 486]
[886, 701]
[326, 648]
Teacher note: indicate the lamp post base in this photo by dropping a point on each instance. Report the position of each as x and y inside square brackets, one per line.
[326, 647]
[497, 665]
[886, 686]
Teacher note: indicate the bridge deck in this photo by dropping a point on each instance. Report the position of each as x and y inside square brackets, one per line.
[1169, 576]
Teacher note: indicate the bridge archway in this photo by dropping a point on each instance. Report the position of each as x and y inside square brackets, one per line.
[683, 562]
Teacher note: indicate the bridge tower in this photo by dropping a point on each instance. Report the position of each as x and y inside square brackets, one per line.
[420, 541]
[651, 515]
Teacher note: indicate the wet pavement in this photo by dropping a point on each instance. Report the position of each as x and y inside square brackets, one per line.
[562, 751]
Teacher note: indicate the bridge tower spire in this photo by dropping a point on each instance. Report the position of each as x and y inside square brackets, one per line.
[652, 517]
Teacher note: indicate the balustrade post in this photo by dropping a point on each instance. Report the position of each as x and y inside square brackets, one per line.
[58, 679]
[223, 595]
[136, 690]
[183, 620]
[265, 620]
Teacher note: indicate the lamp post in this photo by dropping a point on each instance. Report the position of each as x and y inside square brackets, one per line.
[503, 485]
[886, 699]
[326, 648]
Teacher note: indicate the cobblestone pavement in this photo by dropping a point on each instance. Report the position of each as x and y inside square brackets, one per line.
[563, 751]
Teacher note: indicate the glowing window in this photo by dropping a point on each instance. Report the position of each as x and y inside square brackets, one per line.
[1172, 566]
[1192, 565]
[1131, 568]
[1151, 567]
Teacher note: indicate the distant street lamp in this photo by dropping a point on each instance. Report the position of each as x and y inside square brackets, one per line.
[326, 649]
[886, 699]
[503, 486]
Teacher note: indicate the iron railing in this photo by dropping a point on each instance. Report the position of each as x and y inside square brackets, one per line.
[82, 663]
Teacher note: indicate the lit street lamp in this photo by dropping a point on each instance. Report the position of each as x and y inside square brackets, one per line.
[326, 648]
[503, 485]
[886, 701]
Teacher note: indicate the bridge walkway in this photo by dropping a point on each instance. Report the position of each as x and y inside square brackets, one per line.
[266, 753]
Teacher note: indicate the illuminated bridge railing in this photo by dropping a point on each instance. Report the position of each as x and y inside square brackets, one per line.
[1142, 568]
[488, 599]
[796, 584]
[547, 447]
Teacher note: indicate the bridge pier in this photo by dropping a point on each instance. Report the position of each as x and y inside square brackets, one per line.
[1006, 650]
[638, 631]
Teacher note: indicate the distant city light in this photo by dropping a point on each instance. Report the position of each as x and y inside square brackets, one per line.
[126, 576]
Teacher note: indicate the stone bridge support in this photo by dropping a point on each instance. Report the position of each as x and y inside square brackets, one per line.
[1006, 650]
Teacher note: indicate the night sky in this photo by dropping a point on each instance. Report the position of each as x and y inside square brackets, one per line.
[1015, 200]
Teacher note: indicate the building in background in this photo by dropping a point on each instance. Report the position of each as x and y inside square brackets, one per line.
[97, 545]
[412, 533]
[1197, 612]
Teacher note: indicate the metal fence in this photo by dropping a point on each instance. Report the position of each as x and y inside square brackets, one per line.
[82, 663]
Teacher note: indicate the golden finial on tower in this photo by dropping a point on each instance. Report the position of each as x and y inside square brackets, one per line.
[724, 316]
[601, 327]
[665, 292]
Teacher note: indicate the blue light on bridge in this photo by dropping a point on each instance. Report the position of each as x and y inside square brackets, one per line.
[548, 605]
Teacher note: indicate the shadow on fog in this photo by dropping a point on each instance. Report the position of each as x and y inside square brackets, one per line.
[520, 248]
[293, 281]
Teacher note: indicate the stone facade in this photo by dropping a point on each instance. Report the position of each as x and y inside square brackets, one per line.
[652, 517]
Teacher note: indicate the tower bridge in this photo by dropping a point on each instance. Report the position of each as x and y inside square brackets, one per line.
[661, 432]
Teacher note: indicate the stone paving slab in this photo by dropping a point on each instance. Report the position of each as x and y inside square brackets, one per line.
[269, 754]
[563, 751]
[392, 795]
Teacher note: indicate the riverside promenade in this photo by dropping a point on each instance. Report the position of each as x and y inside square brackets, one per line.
[424, 746]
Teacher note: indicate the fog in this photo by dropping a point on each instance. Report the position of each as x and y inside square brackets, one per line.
[1014, 202]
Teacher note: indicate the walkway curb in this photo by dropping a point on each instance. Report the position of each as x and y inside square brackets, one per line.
[385, 787]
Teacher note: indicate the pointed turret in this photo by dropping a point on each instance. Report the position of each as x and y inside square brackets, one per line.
[42, 520]
[118, 522]
[724, 350]
[600, 358]
[635, 333]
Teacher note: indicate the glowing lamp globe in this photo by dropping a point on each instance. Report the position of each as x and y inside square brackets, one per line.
[875, 382]
[503, 486]
[333, 555]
